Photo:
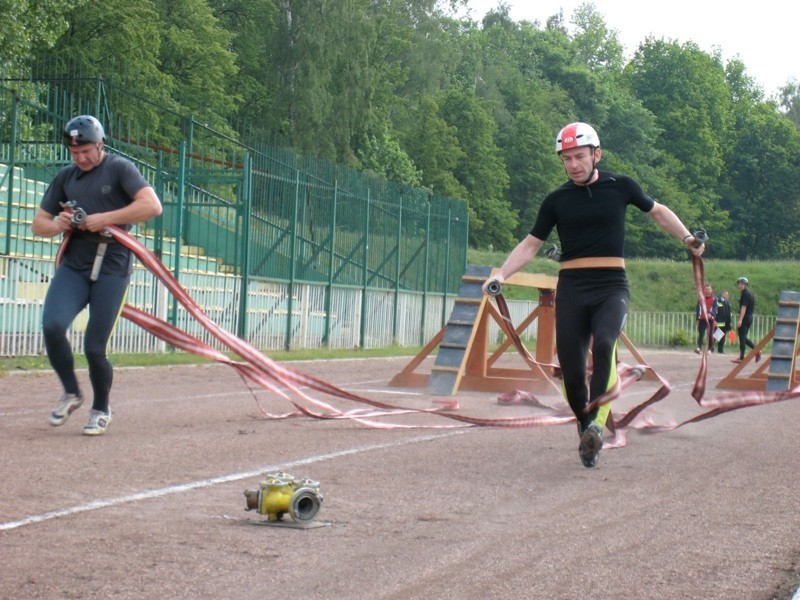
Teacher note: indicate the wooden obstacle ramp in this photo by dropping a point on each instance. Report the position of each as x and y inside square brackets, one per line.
[779, 370]
[463, 360]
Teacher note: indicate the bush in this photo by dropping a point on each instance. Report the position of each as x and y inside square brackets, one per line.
[679, 338]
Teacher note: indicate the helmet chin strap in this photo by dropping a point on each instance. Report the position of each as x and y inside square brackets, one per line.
[594, 169]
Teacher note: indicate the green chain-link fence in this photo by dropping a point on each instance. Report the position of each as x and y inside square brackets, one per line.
[257, 213]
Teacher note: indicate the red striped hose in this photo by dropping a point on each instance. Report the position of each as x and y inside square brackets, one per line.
[257, 370]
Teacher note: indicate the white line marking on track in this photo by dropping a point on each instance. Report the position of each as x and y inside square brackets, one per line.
[202, 483]
[395, 392]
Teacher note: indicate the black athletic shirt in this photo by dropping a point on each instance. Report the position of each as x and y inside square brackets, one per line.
[110, 185]
[748, 301]
[590, 220]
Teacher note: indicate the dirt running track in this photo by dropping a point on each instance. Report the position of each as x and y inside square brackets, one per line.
[155, 508]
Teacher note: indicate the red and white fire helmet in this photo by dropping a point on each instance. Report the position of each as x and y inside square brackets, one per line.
[576, 135]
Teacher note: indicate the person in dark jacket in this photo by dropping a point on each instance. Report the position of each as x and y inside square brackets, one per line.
[705, 328]
[723, 319]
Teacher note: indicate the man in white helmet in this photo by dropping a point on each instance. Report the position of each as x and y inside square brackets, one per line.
[588, 212]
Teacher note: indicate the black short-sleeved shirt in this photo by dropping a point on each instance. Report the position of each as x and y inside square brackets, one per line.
[590, 220]
[748, 301]
[109, 186]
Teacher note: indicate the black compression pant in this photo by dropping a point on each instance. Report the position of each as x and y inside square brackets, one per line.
[591, 305]
[70, 291]
[744, 341]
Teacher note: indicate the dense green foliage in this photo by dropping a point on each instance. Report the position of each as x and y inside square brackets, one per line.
[413, 92]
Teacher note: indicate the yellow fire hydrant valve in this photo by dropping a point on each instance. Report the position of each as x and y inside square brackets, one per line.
[280, 493]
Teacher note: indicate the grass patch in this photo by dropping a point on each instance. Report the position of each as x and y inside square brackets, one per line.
[34, 363]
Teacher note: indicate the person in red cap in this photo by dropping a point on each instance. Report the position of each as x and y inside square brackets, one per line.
[588, 212]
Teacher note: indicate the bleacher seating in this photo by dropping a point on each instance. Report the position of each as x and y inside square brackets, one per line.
[19, 200]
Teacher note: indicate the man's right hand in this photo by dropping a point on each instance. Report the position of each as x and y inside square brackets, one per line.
[494, 282]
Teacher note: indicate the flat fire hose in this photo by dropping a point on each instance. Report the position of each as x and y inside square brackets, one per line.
[259, 370]
[634, 418]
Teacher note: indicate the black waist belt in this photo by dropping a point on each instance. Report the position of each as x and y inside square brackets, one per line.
[96, 238]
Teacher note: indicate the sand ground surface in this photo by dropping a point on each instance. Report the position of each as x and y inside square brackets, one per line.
[155, 508]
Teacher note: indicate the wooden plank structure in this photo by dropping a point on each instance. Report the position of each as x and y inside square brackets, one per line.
[778, 371]
[463, 360]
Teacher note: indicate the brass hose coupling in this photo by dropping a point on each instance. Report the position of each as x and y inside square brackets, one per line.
[280, 493]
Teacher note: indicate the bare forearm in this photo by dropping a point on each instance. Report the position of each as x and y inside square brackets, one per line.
[519, 257]
[669, 222]
[46, 225]
[145, 206]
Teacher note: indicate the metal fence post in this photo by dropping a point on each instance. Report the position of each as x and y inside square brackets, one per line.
[362, 334]
[329, 286]
[246, 206]
[397, 271]
[10, 172]
[425, 269]
[176, 269]
[446, 265]
[292, 263]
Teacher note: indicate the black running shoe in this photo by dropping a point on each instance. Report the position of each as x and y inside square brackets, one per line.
[590, 446]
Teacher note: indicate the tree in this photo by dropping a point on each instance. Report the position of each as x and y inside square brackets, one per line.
[195, 53]
[253, 23]
[31, 25]
[534, 169]
[119, 44]
[598, 46]
[481, 171]
[686, 90]
[790, 101]
[383, 157]
[433, 146]
[763, 185]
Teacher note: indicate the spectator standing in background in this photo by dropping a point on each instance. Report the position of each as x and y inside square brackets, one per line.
[723, 319]
[705, 328]
[747, 305]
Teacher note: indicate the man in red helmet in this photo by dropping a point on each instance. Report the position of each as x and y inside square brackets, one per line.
[94, 271]
[592, 295]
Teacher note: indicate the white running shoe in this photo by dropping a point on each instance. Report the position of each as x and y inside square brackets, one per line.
[98, 423]
[67, 404]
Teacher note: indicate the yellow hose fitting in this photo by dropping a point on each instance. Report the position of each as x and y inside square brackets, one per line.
[280, 493]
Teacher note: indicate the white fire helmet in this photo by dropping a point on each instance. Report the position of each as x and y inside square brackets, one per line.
[576, 135]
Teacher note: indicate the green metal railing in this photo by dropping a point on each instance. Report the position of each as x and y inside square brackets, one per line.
[240, 209]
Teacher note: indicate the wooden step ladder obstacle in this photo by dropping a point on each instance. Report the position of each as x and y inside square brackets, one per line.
[463, 360]
[778, 371]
